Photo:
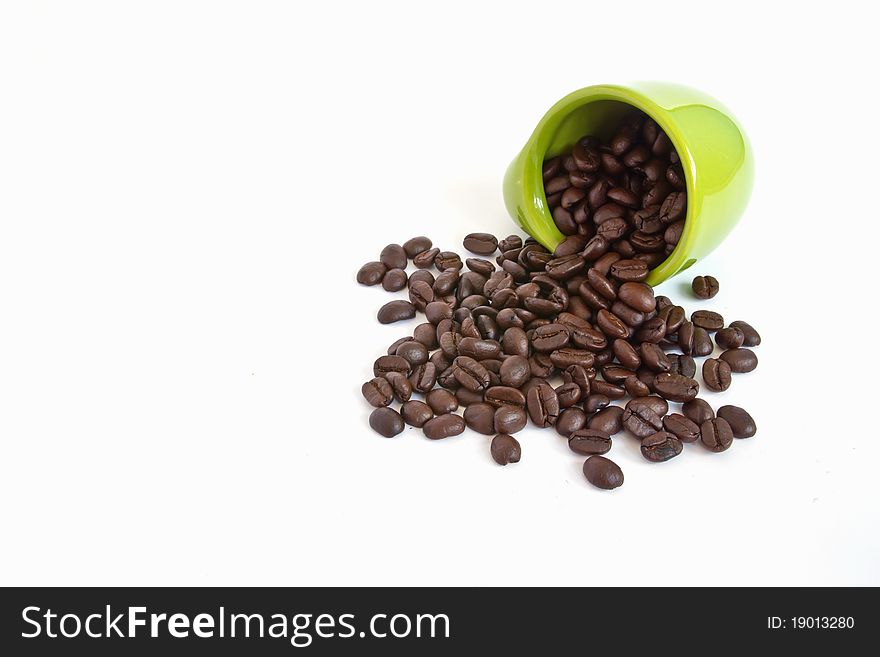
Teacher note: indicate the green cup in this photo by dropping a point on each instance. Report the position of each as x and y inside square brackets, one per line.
[714, 151]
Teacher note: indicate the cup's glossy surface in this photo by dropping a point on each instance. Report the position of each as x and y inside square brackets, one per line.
[714, 150]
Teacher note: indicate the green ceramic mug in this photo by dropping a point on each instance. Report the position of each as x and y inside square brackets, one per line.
[714, 150]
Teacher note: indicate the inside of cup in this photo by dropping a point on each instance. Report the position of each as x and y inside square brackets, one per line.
[599, 117]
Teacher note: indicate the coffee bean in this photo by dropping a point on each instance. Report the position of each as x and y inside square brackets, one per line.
[420, 295]
[481, 418]
[638, 296]
[570, 420]
[740, 360]
[543, 405]
[595, 403]
[686, 337]
[441, 401]
[444, 426]
[568, 356]
[681, 364]
[730, 338]
[702, 342]
[654, 358]
[416, 245]
[394, 280]
[657, 404]
[716, 434]
[750, 335]
[386, 422]
[470, 373]
[705, 287]
[467, 397]
[603, 473]
[392, 349]
[395, 311]
[371, 273]
[377, 392]
[446, 260]
[393, 256]
[716, 374]
[505, 449]
[641, 421]
[629, 270]
[510, 242]
[423, 377]
[481, 243]
[608, 420]
[589, 441]
[698, 411]
[479, 266]
[436, 311]
[674, 207]
[568, 394]
[384, 364]
[635, 387]
[611, 325]
[707, 319]
[400, 384]
[510, 419]
[661, 446]
[686, 430]
[446, 282]
[608, 389]
[504, 395]
[676, 387]
[426, 259]
[653, 330]
[414, 352]
[515, 371]
[415, 413]
[550, 337]
[741, 423]
[626, 354]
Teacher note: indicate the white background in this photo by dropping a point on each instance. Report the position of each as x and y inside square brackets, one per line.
[188, 188]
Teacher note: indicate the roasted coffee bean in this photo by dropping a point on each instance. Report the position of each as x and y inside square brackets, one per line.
[371, 273]
[601, 284]
[393, 256]
[641, 421]
[730, 338]
[661, 446]
[416, 245]
[570, 420]
[603, 473]
[479, 349]
[647, 219]
[702, 342]
[568, 394]
[378, 392]
[638, 296]
[515, 371]
[543, 405]
[740, 360]
[635, 387]
[676, 387]
[571, 196]
[394, 280]
[480, 266]
[510, 242]
[425, 260]
[674, 207]
[504, 395]
[386, 422]
[441, 360]
[510, 419]
[467, 397]
[629, 270]
[654, 358]
[681, 364]
[481, 243]
[424, 276]
[672, 234]
[565, 267]
[611, 325]
[447, 260]
[657, 404]
[414, 352]
[400, 384]
[595, 248]
[630, 316]
[707, 319]
[392, 349]
[395, 311]
[698, 410]
[686, 337]
[441, 401]
[610, 390]
[652, 330]
[592, 298]
[595, 403]
[716, 374]
[580, 376]
[705, 287]
[550, 337]
[470, 373]
[568, 356]
[505, 449]
[415, 413]
[616, 373]
[750, 335]
[686, 430]
[420, 295]
[613, 229]
[741, 423]
[589, 441]
[556, 185]
[716, 435]
[481, 418]
[626, 354]
[384, 364]
[515, 342]
[435, 311]
[540, 365]
[445, 283]
[423, 377]
[608, 420]
[444, 426]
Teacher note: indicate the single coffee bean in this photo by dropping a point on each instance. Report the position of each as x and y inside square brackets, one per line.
[425, 260]
[741, 423]
[441, 401]
[629, 270]
[414, 352]
[420, 295]
[686, 337]
[395, 311]
[436, 311]
[393, 256]
[616, 373]
[653, 330]
[447, 260]
[707, 319]
[480, 266]
[416, 245]
[608, 389]
[386, 422]
[505, 449]
[467, 397]
[550, 337]
[510, 242]
[705, 287]
[698, 411]
[603, 473]
[543, 405]
[581, 377]
[400, 384]
[730, 338]
[661, 446]
[392, 349]
[479, 349]
[510, 419]
[384, 364]
[740, 360]
[422, 275]
[570, 420]
[595, 403]
[657, 404]
[686, 430]
[654, 358]
[445, 283]
[716, 434]
[626, 354]
[423, 377]
[378, 392]
[568, 394]
[638, 296]
[470, 373]
[589, 441]
[674, 317]
[371, 273]
[504, 395]
[716, 374]
[702, 342]
[750, 335]
[641, 421]
[608, 420]
[515, 371]
[611, 325]
[394, 280]
[568, 356]
[630, 316]
[676, 387]
[481, 243]
[635, 387]
[681, 364]
[481, 418]
[444, 426]
[415, 413]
